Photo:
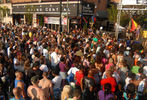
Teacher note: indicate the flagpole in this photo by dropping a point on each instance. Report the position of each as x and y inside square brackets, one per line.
[118, 18]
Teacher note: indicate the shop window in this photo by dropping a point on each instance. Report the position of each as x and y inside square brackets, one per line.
[8, 1]
[1, 1]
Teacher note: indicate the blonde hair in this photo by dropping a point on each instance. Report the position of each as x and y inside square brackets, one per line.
[66, 92]
[121, 60]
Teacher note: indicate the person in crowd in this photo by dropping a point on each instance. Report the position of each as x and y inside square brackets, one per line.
[109, 79]
[76, 94]
[66, 93]
[34, 71]
[62, 66]
[55, 58]
[57, 80]
[47, 86]
[130, 93]
[135, 69]
[105, 94]
[79, 76]
[17, 94]
[88, 86]
[34, 91]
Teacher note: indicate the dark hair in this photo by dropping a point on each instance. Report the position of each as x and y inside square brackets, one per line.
[107, 88]
[55, 71]
[131, 75]
[140, 70]
[138, 63]
[62, 59]
[76, 92]
[36, 64]
[130, 91]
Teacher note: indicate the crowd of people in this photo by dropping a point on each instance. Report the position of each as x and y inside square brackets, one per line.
[42, 64]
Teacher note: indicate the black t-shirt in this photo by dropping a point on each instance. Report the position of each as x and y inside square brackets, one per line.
[31, 73]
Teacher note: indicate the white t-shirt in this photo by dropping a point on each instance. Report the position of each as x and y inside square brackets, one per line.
[8, 51]
[18, 67]
[127, 81]
[57, 82]
[45, 53]
[55, 59]
[31, 51]
[72, 70]
[141, 86]
[44, 68]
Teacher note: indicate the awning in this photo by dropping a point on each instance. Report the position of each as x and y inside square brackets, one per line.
[102, 14]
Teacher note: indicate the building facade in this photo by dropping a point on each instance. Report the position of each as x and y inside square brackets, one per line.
[48, 12]
[6, 11]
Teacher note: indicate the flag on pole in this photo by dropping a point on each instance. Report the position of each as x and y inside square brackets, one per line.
[85, 20]
[134, 25]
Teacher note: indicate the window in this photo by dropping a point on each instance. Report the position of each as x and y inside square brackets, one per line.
[8, 1]
[1, 1]
[99, 1]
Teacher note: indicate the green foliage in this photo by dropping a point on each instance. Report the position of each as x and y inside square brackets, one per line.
[140, 19]
[41, 20]
[29, 18]
[112, 13]
[124, 19]
[29, 15]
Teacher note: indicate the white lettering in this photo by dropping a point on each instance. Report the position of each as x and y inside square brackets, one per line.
[46, 9]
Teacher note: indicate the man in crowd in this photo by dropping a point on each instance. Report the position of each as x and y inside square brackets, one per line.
[47, 86]
[17, 94]
[34, 91]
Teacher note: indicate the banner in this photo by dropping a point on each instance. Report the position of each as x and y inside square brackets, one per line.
[55, 20]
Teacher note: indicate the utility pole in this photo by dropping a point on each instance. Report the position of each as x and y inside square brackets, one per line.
[67, 17]
[60, 26]
[119, 8]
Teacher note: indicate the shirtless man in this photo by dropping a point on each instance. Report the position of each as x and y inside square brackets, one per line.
[47, 86]
[34, 92]
[20, 83]
[17, 94]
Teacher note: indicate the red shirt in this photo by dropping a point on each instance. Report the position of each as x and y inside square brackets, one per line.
[110, 80]
[79, 76]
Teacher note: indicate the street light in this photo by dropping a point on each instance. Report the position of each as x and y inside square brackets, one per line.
[67, 18]
[60, 26]
[118, 18]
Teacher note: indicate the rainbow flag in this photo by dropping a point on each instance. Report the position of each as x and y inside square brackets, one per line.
[133, 25]
[85, 20]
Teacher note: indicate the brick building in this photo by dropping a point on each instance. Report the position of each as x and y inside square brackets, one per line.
[98, 6]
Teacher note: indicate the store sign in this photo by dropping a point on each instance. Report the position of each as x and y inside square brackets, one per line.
[55, 20]
[88, 9]
[53, 9]
[133, 2]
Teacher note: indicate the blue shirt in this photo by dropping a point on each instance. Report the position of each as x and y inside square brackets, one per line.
[16, 99]
[16, 81]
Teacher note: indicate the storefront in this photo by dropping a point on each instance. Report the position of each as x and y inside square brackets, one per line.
[48, 13]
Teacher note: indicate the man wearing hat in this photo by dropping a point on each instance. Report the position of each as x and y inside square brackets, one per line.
[34, 92]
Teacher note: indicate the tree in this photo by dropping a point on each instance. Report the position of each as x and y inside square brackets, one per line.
[124, 19]
[29, 15]
[112, 13]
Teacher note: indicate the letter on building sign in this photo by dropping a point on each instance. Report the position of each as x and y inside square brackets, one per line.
[50, 9]
[53, 9]
[46, 9]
